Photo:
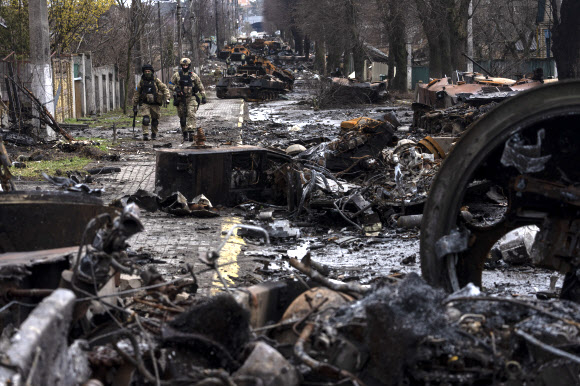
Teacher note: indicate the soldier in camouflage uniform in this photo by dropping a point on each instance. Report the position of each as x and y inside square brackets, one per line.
[150, 93]
[189, 93]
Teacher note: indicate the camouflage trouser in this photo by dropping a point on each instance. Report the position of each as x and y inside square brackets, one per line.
[153, 112]
[186, 112]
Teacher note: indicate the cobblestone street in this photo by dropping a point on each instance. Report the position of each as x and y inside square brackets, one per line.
[175, 241]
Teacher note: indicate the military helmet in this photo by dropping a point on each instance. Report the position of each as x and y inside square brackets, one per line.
[147, 67]
[185, 61]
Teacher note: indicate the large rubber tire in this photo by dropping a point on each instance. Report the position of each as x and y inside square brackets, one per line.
[448, 189]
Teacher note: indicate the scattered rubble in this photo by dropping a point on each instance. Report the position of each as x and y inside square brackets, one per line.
[87, 309]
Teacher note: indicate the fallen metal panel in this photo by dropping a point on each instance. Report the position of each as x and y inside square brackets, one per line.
[36, 257]
[37, 220]
[225, 175]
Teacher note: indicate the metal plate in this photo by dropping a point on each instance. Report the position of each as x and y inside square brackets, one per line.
[225, 175]
[31, 221]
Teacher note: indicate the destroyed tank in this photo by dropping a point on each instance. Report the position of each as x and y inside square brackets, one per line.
[517, 166]
[255, 81]
[250, 88]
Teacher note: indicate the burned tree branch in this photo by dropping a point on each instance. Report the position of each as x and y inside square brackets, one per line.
[548, 348]
[44, 114]
[333, 285]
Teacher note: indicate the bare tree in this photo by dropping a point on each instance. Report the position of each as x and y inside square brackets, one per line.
[566, 37]
[394, 15]
[444, 23]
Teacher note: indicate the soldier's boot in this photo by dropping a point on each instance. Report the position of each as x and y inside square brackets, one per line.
[185, 135]
[190, 136]
[145, 137]
[200, 137]
[154, 124]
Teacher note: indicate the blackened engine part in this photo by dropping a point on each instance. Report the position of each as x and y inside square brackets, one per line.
[109, 243]
[113, 238]
[477, 155]
[525, 158]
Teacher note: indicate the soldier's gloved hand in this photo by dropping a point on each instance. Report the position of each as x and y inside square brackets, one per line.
[203, 100]
[135, 109]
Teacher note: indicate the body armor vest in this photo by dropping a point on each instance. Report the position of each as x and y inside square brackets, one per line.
[186, 83]
[149, 91]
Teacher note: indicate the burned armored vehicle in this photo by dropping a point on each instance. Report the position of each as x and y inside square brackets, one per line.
[257, 80]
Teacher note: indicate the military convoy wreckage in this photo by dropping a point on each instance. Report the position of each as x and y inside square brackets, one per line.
[390, 331]
[442, 105]
[256, 79]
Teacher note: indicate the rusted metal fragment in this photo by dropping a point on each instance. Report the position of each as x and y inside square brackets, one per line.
[434, 148]
[441, 93]
[267, 301]
[365, 139]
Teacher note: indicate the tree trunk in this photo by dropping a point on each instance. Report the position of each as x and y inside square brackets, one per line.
[566, 40]
[306, 47]
[298, 40]
[457, 22]
[320, 57]
[127, 78]
[333, 61]
[445, 53]
[435, 66]
[398, 50]
[359, 60]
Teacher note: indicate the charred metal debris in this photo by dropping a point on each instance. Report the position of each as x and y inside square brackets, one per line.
[87, 330]
[443, 106]
[265, 70]
[83, 309]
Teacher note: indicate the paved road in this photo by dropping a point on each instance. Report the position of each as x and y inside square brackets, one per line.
[179, 240]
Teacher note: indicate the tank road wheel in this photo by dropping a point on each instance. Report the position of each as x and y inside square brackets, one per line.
[525, 149]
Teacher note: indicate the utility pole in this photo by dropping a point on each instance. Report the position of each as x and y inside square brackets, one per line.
[138, 47]
[194, 37]
[470, 36]
[217, 33]
[40, 64]
[160, 42]
[179, 41]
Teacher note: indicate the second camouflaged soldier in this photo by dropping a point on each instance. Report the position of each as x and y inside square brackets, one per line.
[189, 93]
[150, 94]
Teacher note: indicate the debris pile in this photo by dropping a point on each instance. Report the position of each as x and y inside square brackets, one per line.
[453, 120]
[279, 333]
[256, 79]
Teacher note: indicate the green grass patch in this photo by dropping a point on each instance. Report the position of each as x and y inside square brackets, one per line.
[52, 168]
[121, 120]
